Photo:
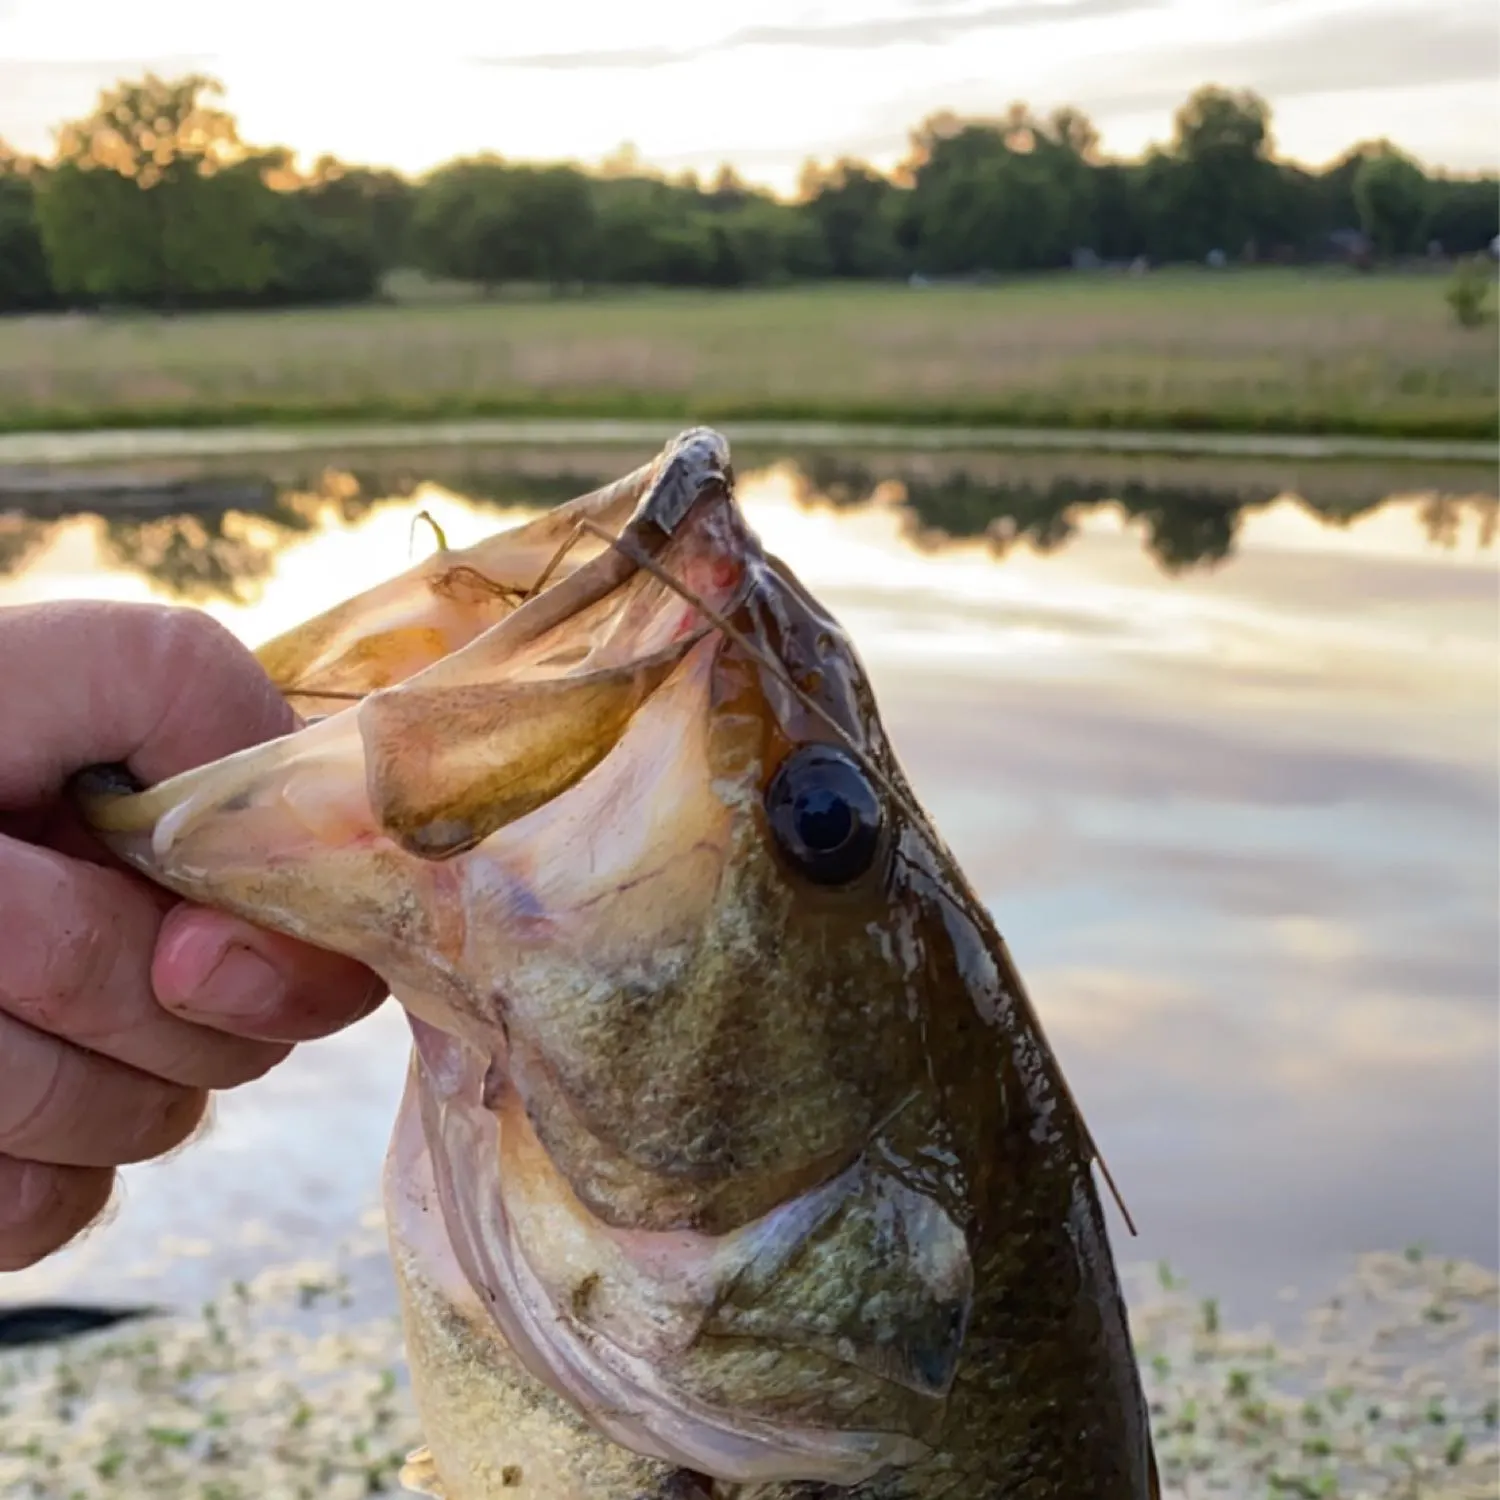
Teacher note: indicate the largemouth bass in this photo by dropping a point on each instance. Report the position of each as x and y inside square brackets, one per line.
[732, 1162]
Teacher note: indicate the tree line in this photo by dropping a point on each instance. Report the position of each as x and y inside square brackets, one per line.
[154, 200]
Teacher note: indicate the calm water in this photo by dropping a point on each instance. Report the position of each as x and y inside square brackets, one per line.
[1222, 761]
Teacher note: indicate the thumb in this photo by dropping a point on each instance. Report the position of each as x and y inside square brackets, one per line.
[162, 690]
[156, 688]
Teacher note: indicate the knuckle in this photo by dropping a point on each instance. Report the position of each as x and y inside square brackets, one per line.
[187, 641]
[213, 1060]
[211, 692]
[170, 1120]
[249, 1063]
[42, 1208]
[61, 1104]
[34, 1076]
[79, 962]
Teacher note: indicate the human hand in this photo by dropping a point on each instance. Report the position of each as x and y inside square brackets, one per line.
[120, 1006]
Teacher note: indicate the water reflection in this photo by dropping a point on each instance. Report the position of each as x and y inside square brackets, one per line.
[1230, 792]
[1182, 525]
[221, 552]
[21, 538]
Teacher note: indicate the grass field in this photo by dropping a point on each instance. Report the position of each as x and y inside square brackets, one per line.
[1267, 351]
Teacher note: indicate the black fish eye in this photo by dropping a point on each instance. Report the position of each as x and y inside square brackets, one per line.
[824, 814]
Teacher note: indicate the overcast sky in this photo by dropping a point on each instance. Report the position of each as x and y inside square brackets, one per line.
[694, 82]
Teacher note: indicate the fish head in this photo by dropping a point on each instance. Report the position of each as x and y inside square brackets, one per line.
[729, 1094]
[639, 839]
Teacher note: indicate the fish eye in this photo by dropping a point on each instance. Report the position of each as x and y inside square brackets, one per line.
[824, 814]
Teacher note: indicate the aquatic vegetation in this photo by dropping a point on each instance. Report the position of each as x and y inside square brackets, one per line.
[283, 1388]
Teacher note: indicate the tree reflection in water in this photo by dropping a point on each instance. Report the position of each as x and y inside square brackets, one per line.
[21, 538]
[221, 552]
[1183, 526]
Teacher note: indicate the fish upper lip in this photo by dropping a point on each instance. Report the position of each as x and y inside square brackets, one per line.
[695, 461]
[692, 468]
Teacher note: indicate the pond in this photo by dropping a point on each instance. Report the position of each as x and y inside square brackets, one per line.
[1217, 743]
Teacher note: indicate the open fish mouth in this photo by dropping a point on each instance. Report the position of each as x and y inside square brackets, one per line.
[551, 840]
[485, 685]
[511, 672]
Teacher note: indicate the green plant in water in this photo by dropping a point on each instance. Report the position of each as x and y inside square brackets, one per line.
[1468, 292]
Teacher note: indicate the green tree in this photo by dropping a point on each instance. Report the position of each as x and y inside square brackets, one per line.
[373, 203]
[763, 241]
[1069, 144]
[1012, 194]
[1465, 212]
[334, 231]
[648, 231]
[1222, 142]
[489, 221]
[153, 199]
[25, 283]
[851, 206]
[729, 190]
[1391, 194]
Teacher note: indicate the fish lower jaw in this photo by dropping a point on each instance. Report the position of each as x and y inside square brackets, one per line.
[469, 1289]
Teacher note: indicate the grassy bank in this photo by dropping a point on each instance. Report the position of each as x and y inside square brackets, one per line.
[1269, 352]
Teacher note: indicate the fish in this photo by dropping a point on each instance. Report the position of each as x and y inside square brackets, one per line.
[733, 1162]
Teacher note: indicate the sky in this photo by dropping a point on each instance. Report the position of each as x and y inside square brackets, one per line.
[692, 83]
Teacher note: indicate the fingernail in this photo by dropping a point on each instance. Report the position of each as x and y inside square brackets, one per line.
[242, 986]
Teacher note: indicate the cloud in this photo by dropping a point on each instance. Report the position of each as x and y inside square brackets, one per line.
[1392, 47]
[930, 29]
[1039, 736]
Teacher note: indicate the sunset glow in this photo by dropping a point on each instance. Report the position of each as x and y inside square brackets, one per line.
[693, 85]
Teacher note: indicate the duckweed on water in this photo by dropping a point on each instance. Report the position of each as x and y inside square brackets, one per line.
[278, 1391]
[1390, 1391]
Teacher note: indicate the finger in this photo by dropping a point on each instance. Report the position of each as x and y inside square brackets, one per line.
[219, 972]
[71, 1108]
[157, 688]
[43, 1207]
[76, 962]
[191, 694]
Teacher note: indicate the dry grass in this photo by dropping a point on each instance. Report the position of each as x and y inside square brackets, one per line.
[1273, 351]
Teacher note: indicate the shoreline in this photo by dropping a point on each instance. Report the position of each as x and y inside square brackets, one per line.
[224, 436]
